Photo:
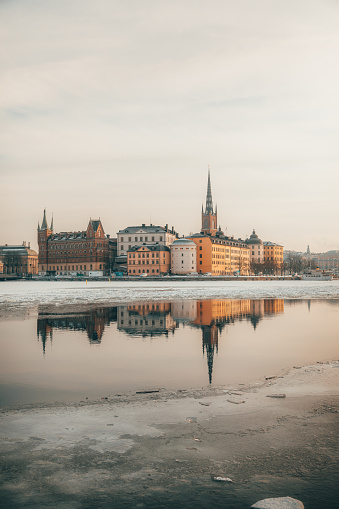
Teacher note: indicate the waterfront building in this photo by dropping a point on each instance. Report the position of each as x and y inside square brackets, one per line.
[73, 253]
[145, 234]
[256, 247]
[273, 255]
[183, 256]
[150, 259]
[19, 260]
[327, 261]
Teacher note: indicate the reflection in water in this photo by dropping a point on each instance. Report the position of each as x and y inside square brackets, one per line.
[92, 322]
[156, 319]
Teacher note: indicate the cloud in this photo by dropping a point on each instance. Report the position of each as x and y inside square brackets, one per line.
[156, 87]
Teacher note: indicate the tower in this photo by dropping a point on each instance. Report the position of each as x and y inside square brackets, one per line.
[44, 233]
[209, 216]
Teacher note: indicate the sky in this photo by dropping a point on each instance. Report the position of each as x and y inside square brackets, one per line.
[115, 109]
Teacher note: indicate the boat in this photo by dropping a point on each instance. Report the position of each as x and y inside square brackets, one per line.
[317, 275]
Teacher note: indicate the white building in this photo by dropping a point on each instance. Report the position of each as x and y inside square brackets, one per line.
[183, 256]
[137, 235]
[256, 247]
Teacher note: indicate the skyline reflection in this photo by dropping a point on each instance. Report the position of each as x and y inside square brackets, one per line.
[154, 319]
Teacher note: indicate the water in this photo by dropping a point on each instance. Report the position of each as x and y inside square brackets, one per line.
[57, 344]
[67, 341]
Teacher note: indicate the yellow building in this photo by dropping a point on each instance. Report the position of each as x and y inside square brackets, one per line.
[273, 255]
[153, 260]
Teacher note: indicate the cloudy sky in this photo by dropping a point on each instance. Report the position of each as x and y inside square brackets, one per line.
[115, 109]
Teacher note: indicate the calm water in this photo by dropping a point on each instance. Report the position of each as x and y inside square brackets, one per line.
[69, 352]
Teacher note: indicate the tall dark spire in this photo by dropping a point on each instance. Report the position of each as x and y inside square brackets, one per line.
[44, 222]
[52, 223]
[209, 202]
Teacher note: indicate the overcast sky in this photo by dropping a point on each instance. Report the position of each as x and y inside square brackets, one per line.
[115, 109]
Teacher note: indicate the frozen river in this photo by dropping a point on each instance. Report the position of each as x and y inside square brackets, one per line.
[68, 341]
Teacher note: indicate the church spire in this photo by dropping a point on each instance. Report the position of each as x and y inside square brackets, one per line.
[209, 202]
[52, 223]
[209, 216]
[44, 222]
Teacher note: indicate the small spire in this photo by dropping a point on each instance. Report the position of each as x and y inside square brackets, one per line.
[38, 225]
[52, 223]
[44, 222]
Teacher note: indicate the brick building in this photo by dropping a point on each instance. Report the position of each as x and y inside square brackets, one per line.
[73, 253]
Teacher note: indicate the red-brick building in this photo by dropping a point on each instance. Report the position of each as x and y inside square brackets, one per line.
[73, 253]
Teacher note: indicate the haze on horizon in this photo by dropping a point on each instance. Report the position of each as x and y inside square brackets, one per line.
[115, 110]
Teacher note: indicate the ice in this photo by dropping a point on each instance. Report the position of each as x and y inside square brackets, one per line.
[28, 294]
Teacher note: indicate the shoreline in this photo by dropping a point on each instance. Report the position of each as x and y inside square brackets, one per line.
[156, 448]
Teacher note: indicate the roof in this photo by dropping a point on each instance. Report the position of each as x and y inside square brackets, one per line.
[219, 239]
[183, 241]
[146, 229]
[95, 224]
[254, 239]
[150, 247]
[18, 250]
[268, 243]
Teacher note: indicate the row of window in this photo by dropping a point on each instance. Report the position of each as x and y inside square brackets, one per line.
[140, 271]
[136, 239]
[70, 267]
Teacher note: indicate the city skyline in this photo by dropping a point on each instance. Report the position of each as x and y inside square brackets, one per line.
[116, 112]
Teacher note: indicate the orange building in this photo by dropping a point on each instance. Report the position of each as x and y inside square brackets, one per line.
[152, 259]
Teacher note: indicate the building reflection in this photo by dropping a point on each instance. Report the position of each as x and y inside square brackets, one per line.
[149, 319]
[154, 319]
[92, 322]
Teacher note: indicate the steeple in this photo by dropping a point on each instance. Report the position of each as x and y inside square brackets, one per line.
[209, 202]
[44, 222]
[209, 216]
[52, 223]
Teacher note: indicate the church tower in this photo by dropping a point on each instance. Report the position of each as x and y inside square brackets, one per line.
[44, 233]
[209, 217]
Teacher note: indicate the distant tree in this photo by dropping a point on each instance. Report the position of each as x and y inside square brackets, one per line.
[256, 267]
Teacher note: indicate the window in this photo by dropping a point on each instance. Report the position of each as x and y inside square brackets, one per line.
[152, 239]
[146, 239]
[122, 239]
[160, 238]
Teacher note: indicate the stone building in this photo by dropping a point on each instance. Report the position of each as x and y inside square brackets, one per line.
[183, 256]
[150, 259]
[18, 260]
[73, 253]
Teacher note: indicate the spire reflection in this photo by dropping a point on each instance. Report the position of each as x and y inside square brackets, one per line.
[155, 319]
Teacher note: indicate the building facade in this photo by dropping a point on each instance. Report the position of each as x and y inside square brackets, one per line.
[18, 260]
[145, 234]
[273, 255]
[73, 253]
[256, 247]
[150, 259]
[183, 256]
